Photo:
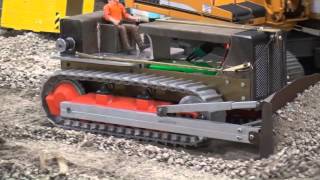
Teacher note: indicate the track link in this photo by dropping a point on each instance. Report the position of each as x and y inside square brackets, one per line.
[187, 87]
[132, 133]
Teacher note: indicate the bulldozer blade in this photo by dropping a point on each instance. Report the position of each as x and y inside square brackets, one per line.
[291, 91]
[275, 102]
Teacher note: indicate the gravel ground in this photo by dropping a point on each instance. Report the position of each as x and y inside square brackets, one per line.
[24, 63]
[25, 59]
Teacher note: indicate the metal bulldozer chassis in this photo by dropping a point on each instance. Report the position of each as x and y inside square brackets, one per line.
[259, 132]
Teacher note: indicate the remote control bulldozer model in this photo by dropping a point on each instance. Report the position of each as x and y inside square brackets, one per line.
[171, 93]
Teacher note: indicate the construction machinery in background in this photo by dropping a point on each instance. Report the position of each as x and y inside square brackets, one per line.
[40, 15]
[300, 18]
[196, 82]
[254, 12]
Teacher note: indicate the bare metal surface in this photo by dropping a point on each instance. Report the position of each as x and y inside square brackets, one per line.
[209, 107]
[288, 93]
[93, 61]
[266, 136]
[189, 31]
[142, 61]
[222, 25]
[134, 119]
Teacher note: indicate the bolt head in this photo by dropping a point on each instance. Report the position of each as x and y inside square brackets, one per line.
[161, 111]
[68, 110]
[251, 137]
[280, 37]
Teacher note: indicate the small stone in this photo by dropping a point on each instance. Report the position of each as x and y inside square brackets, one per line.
[179, 161]
[2, 141]
[165, 155]
[170, 160]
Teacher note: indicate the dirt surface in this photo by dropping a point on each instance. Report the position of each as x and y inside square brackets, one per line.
[29, 138]
[21, 155]
[21, 159]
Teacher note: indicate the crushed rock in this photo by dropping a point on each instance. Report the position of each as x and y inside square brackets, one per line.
[25, 59]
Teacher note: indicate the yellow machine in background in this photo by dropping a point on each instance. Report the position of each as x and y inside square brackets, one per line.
[203, 10]
[40, 15]
[279, 13]
[44, 15]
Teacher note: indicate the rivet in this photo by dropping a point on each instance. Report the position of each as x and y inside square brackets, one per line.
[243, 84]
[160, 110]
[227, 82]
[251, 137]
[239, 130]
[239, 138]
[243, 98]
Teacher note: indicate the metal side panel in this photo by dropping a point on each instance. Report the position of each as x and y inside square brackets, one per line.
[266, 145]
[190, 31]
[201, 128]
[74, 7]
[208, 107]
[94, 61]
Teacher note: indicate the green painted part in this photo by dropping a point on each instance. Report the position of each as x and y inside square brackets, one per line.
[181, 69]
[199, 52]
[202, 64]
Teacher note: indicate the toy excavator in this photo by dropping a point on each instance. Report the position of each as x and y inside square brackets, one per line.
[171, 94]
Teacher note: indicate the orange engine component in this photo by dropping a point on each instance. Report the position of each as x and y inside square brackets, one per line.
[118, 102]
[64, 92]
[68, 92]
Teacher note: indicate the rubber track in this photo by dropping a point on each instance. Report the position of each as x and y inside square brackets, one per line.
[153, 81]
[132, 133]
[148, 81]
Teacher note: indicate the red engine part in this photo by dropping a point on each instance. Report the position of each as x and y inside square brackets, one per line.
[65, 91]
[68, 92]
[118, 102]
